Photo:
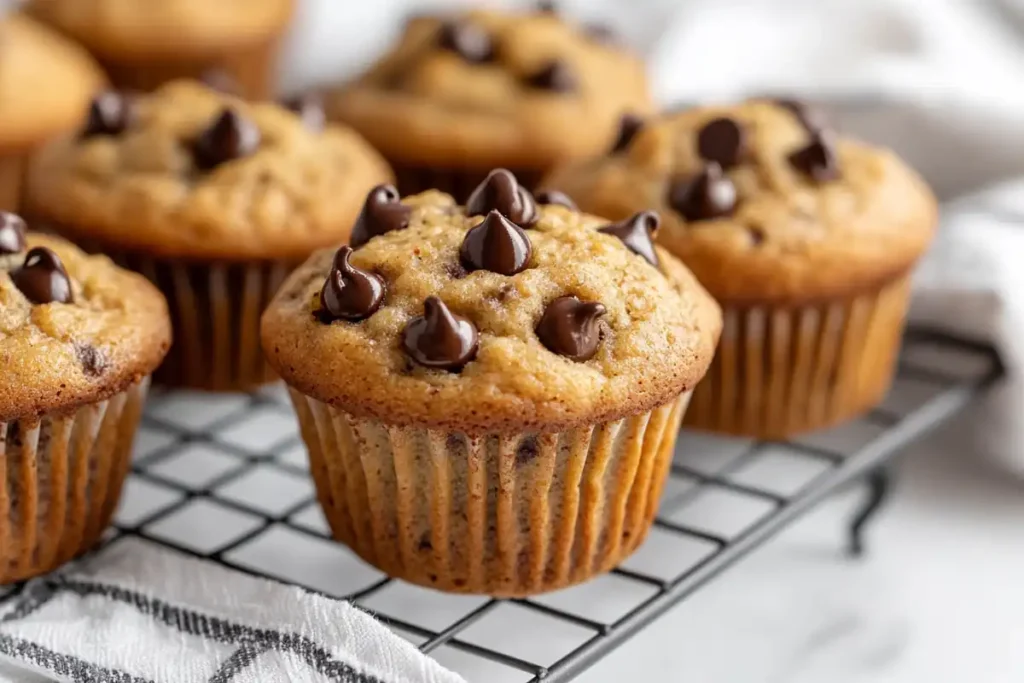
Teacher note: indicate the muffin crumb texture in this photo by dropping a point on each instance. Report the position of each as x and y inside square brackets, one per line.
[73, 328]
[491, 325]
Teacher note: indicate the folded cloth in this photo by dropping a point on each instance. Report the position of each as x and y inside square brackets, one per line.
[136, 612]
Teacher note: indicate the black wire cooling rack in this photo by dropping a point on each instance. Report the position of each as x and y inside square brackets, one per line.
[225, 478]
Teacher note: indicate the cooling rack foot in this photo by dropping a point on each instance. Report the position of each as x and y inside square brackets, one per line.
[878, 482]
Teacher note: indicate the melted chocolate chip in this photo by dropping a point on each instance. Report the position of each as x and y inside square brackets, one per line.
[636, 233]
[569, 327]
[723, 141]
[12, 233]
[498, 245]
[629, 126]
[439, 338]
[555, 76]
[42, 278]
[549, 197]
[110, 113]
[310, 109]
[817, 160]
[230, 136]
[710, 194]
[812, 119]
[350, 293]
[467, 41]
[502, 192]
[382, 212]
[91, 359]
[221, 81]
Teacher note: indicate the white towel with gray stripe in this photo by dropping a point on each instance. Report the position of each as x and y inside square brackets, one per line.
[139, 613]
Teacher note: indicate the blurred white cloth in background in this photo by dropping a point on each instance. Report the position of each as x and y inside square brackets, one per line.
[938, 81]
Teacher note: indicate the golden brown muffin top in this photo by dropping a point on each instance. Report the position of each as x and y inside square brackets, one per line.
[486, 88]
[74, 330]
[763, 202]
[46, 82]
[194, 173]
[464, 320]
[150, 29]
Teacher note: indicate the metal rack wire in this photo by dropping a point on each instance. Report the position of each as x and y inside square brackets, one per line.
[224, 478]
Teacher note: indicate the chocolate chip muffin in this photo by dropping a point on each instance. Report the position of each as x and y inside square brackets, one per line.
[461, 94]
[807, 239]
[143, 44]
[490, 394]
[79, 338]
[30, 55]
[212, 198]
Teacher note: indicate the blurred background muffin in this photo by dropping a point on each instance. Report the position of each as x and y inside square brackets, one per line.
[463, 93]
[143, 44]
[213, 198]
[31, 56]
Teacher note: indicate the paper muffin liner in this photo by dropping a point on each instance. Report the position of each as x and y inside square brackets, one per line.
[251, 67]
[782, 371]
[62, 477]
[459, 183]
[12, 173]
[215, 312]
[506, 515]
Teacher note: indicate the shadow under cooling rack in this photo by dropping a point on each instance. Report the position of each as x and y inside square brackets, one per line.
[225, 478]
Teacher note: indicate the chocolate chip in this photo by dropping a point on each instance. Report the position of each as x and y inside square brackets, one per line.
[502, 192]
[555, 76]
[439, 338]
[710, 194]
[549, 197]
[92, 360]
[42, 278]
[382, 212]
[629, 126]
[221, 81]
[601, 33]
[496, 244]
[12, 233]
[569, 327]
[350, 293]
[527, 450]
[817, 160]
[636, 233]
[310, 108]
[230, 136]
[811, 118]
[723, 141]
[110, 113]
[467, 41]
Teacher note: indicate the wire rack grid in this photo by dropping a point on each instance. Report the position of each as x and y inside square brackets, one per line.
[225, 478]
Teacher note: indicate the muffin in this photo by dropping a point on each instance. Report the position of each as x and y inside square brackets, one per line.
[463, 94]
[490, 394]
[215, 200]
[806, 239]
[143, 44]
[79, 338]
[31, 55]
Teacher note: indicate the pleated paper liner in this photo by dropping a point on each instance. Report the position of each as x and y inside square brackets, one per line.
[499, 514]
[249, 67]
[62, 476]
[12, 170]
[779, 372]
[215, 311]
[459, 183]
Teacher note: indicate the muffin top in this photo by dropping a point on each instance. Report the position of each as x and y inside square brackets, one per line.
[30, 55]
[74, 329]
[502, 316]
[190, 172]
[763, 202]
[171, 28]
[485, 88]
